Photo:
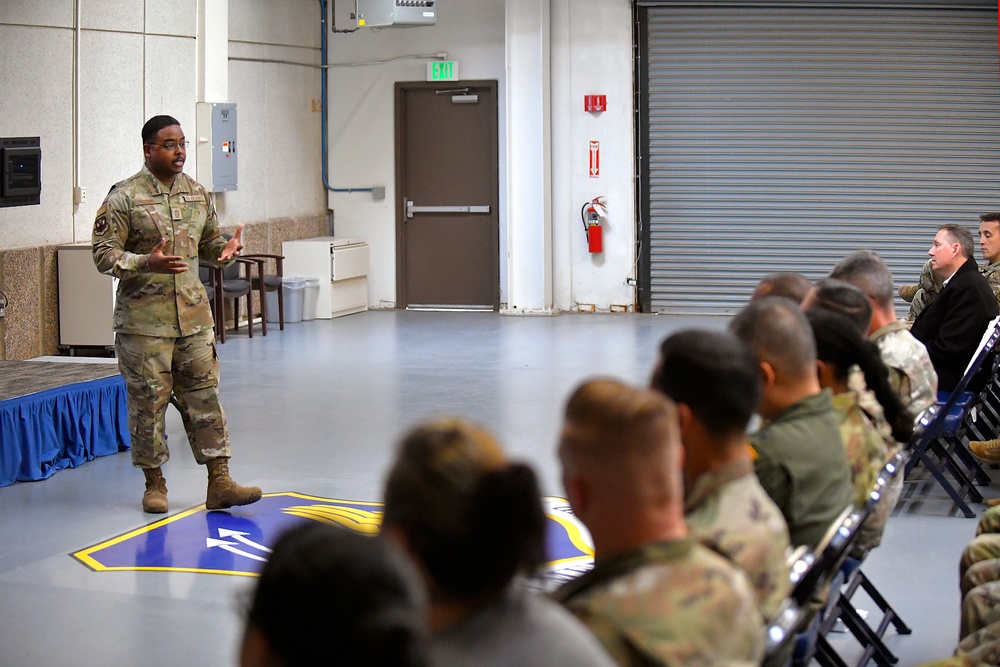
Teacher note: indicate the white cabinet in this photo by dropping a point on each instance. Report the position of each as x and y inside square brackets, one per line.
[86, 299]
[340, 263]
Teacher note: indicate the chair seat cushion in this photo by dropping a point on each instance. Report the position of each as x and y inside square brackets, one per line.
[271, 282]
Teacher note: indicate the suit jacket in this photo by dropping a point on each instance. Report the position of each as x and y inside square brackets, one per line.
[953, 324]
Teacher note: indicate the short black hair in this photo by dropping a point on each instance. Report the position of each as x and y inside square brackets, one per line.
[844, 298]
[154, 125]
[327, 590]
[788, 284]
[714, 373]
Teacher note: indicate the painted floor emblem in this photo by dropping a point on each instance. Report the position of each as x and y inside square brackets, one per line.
[239, 544]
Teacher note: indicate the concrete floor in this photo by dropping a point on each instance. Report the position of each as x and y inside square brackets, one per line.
[316, 410]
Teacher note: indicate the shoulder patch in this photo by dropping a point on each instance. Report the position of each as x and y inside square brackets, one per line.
[101, 226]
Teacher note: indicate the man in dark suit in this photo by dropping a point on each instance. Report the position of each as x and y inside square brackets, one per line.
[953, 324]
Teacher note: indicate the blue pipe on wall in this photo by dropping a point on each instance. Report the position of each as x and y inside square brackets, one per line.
[323, 106]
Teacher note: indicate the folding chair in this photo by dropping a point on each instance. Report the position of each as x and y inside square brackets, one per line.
[941, 448]
[854, 578]
[817, 578]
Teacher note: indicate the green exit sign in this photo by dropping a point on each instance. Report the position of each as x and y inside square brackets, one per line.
[442, 70]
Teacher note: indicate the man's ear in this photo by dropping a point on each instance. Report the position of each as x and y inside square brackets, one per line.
[685, 419]
[767, 374]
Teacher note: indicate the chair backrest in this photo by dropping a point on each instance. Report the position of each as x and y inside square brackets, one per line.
[932, 421]
[815, 569]
[892, 467]
[783, 625]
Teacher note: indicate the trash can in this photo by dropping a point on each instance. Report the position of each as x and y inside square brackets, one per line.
[310, 299]
[293, 291]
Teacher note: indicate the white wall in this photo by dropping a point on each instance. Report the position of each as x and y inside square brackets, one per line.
[591, 47]
[138, 58]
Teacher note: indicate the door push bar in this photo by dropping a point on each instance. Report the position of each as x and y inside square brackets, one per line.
[411, 209]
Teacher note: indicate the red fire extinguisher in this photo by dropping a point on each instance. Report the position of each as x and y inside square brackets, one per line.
[593, 214]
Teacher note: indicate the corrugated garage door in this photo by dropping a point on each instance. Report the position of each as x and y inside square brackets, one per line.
[782, 138]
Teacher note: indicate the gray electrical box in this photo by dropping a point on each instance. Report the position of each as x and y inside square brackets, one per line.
[395, 13]
[217, 159]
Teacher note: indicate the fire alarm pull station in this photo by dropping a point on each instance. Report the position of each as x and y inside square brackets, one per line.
[595, 103]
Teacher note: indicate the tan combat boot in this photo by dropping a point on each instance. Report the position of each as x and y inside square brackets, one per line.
[223, 492]
[154, 500]
[986, 450]
[908, 292]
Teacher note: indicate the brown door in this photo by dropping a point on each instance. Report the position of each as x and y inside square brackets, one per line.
[447, 224]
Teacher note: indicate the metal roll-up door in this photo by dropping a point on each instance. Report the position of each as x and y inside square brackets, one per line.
[781, 138]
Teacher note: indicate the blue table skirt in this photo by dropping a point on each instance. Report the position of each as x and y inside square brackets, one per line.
[48, 431]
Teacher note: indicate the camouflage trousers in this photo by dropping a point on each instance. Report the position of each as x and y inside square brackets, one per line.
[187, 367]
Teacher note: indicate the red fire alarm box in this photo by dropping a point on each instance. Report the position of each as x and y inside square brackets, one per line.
[595, 102]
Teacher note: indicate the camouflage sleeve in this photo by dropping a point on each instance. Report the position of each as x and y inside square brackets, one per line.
[929, 280]
[212, 242]
[110, 236]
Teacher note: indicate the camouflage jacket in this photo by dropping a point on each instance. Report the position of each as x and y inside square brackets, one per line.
[911, 372]
[669, 603]
[866, 449]
[726, 509]
[135, 215]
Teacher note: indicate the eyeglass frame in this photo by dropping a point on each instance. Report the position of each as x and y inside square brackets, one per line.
[172, 145]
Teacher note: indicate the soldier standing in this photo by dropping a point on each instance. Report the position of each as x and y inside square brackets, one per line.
[165, 339]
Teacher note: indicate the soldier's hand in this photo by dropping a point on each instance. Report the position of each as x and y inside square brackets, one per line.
[233, 247]
[160, 263]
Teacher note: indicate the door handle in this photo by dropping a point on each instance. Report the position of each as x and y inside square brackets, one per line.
[411, 209]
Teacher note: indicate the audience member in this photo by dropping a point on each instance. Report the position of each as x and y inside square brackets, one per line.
[473, 522]
[655, 596]
[911, 373]
[953, 324]
[841, 297]
[331, 596]
[793, 286]
[713, 379]
[839, 348]
[799, 456]
[930, 284]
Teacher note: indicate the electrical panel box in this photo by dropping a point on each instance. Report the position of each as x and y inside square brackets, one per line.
[20, 171]
[395, 13]
[217, 159]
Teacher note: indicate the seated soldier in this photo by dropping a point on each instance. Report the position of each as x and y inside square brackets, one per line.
[793, 286]
[713, 379]
[655, 596]
[839, 348]
[331, 596]
[799, 456]
[473, 523]
[911, 373]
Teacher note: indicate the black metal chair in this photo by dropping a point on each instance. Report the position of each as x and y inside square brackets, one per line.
[941, 449]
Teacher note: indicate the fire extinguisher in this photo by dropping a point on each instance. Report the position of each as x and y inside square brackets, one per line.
[593, 214]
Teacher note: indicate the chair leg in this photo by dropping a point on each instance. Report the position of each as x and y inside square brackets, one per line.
[281, 308]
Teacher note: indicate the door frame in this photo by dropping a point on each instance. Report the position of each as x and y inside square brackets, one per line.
[400, 90]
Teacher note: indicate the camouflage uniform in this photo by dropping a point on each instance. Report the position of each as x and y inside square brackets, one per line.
[911, 373]
[980, 608]
[981, 647]
[866, 455]
[931, 285]
[165, 340]
[727, 510]
[669, 603]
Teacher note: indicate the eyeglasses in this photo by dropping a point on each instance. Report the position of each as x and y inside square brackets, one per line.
[172, 145]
